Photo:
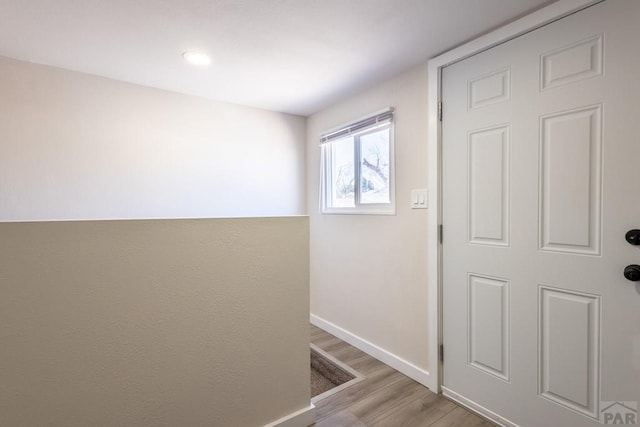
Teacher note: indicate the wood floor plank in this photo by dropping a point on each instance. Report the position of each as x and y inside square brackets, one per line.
[385, 398]
[421, 412]
[377, 406]
[349, 352]
[357, 392]
[329, 343]
[343, 418]
[459, 416]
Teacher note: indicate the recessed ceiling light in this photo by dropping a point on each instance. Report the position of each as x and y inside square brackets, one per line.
[196, 58]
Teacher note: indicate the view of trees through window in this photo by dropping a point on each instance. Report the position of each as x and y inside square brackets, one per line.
[366, 156]
[374, 167]
[343, 191]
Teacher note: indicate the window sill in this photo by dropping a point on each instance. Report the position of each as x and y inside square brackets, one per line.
[359, 211]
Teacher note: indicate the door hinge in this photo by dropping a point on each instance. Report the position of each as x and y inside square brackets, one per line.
[440, 233]
[440, 111]
[441, 353]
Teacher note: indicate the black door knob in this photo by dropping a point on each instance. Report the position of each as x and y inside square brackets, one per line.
[633, 237]
[632, 272]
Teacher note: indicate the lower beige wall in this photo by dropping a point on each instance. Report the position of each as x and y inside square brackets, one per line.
[165, 323]
[369, 272]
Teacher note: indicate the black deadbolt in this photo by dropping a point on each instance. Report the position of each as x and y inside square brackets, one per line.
[632, 272]
[633, 237]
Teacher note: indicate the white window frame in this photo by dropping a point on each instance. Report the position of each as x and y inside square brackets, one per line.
[326, 173]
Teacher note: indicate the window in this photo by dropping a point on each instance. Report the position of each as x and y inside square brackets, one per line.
[357, 167]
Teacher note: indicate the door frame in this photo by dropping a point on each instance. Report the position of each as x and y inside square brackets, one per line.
[537, 19]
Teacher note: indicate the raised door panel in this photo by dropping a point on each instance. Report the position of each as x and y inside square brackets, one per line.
[489, 89]
[570, 181]
[489, 186]
[569, 64]
[489, 325]
[569, 341]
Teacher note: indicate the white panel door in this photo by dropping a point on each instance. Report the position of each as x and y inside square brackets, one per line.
[541, 181]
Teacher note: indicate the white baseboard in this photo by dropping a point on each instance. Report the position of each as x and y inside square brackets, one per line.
[302, 418]
[397, 363]
[478, 409]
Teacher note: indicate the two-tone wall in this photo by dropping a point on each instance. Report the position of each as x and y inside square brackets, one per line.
[148, 322]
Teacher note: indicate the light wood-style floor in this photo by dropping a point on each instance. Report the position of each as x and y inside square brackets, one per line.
[385, 398]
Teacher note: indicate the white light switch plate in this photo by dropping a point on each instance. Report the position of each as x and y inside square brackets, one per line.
[419, 199]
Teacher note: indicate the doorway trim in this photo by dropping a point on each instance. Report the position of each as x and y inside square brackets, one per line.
[533, 21]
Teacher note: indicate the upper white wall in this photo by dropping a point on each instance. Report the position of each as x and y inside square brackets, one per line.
[368, 272]
[75, 146]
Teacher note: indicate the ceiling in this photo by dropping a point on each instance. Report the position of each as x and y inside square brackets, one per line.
[294, 56]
